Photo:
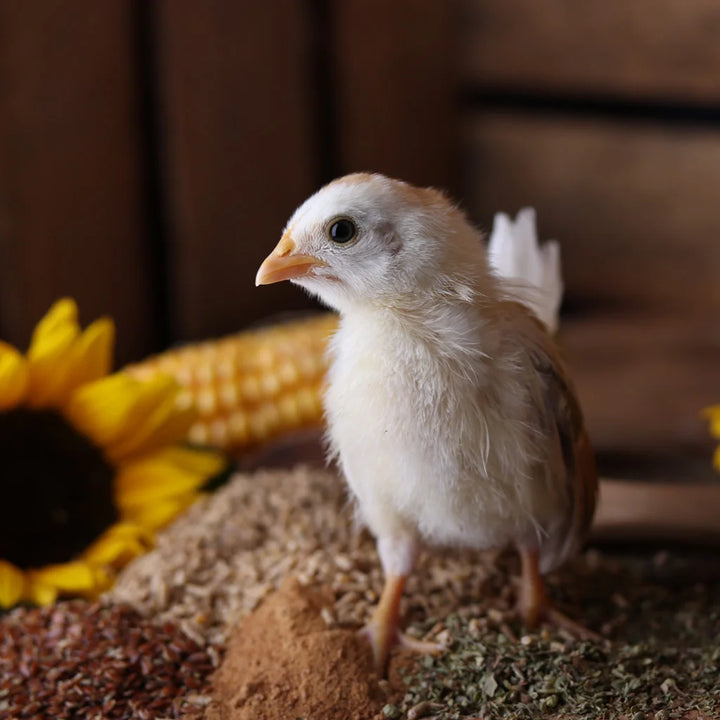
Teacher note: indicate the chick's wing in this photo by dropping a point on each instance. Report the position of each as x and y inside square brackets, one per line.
[572, 453]
[578, 459]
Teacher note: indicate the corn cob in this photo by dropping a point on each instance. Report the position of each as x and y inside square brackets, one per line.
[252, 387]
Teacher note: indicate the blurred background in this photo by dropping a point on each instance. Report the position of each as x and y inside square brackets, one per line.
[151, 152]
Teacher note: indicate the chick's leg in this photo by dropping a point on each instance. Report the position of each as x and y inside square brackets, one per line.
[532, 598]
[383, 629]
[397, 554]
[533, 603]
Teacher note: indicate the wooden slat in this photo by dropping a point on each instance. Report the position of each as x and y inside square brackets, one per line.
[71, 215]
[635, 206]
[678, 512]
[395, 88]
[234, 83]
[653, 49]
[643, 382]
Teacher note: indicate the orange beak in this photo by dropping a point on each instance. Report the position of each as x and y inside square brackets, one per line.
[283, 264]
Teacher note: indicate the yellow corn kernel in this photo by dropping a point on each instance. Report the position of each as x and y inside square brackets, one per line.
[239, 428]
[270, 384]
[289, 412]
[264, 422]
[308, 399]
[252, 387]
[228, 396]
[206, 401]
[219, 432]
[288, 373]
[199, 434]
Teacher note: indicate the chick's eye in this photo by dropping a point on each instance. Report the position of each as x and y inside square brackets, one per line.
[342, 231]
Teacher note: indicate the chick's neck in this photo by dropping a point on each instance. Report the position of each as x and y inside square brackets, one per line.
[452, 322]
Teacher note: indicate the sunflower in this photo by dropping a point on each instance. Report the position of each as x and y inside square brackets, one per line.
[90, 463]
[713, 415]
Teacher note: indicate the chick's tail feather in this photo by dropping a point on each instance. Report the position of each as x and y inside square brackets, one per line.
[532, 271]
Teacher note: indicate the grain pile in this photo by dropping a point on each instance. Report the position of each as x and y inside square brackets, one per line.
[229, 551]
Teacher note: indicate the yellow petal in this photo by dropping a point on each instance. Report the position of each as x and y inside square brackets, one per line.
[13, 377]
[167, 425]
[61, 358]
[104, 578]
[39, 593]
[119, 544]
[101, 409]
[76, 576]
[206, 463]
[115, 552]
[173, 471]
[63, 312]
[51, 353]
[713, 415]
[12, 584]
[114, 408]
[158, 514]
[89, 359]
[48, 367]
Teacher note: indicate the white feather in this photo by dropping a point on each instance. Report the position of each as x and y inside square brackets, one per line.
[515, 254]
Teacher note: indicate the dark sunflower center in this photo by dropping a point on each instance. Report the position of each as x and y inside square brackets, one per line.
[56, 489]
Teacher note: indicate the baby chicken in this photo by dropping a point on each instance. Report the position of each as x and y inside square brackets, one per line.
[448, 409]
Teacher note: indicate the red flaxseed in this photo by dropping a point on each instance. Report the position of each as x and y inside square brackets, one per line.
[81, 660]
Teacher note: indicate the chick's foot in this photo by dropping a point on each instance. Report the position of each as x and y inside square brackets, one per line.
[383, 638]
[534, 606]
[383, 631]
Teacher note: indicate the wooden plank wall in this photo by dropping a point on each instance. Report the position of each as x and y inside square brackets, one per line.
[396, 86]
[72, 215]
[663, 50]
[237, 143]
[606, 118]
[150, 153]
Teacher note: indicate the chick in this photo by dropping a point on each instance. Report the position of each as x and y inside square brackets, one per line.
[448, 408]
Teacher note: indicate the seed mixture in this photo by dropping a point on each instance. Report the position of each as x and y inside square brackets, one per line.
[77, 660]
[660, 613]
[487, 675]
[224, 559]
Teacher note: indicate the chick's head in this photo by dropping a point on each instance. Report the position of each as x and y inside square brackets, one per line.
[368, 238]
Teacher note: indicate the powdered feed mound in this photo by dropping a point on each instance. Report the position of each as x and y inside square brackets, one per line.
[282, 661]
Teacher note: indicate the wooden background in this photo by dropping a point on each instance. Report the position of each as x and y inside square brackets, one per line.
[150, 153]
